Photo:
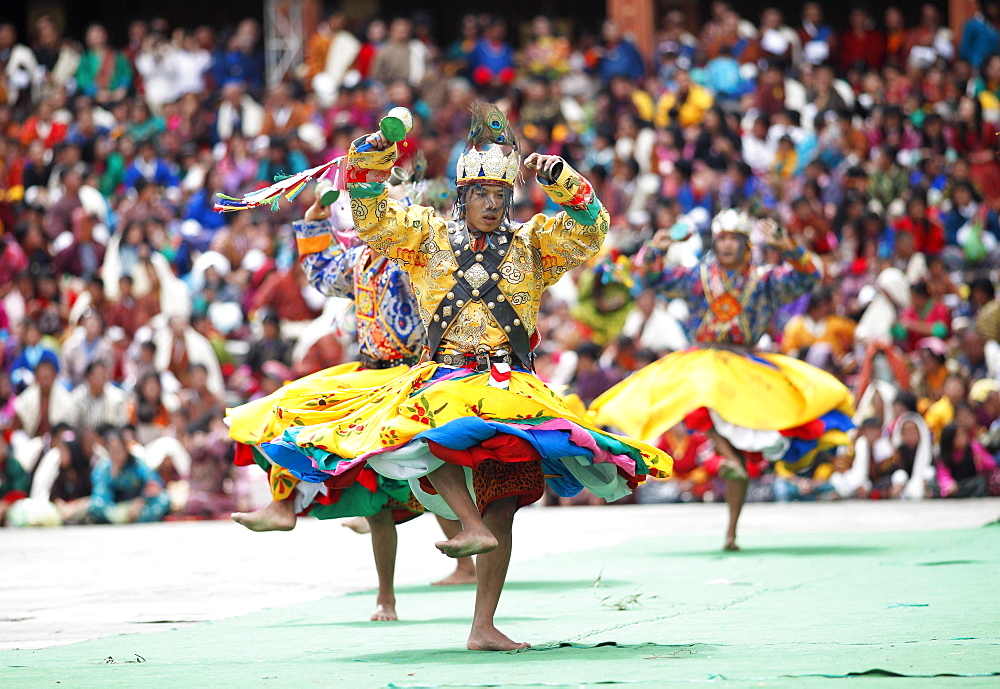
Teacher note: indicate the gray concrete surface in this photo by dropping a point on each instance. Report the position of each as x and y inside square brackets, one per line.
[60, 586]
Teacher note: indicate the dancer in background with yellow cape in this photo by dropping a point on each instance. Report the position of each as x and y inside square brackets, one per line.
[747, 402]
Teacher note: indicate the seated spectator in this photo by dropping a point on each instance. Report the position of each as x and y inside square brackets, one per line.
[931, 371]
[71, 487]
[84, 256]
[925, 317]
[686, 105]
[289, 296]
[199, 404]
[14, 480]
[45, 403]
[125, 490]
[150, 167]
[282, 115]
[491, 63]
[928, 235]
[96, 402]
[153, 413]
[907, 472]
[619, 56]
[399, 57]
[819, 323]
[964, 466]
[546, 55]
[270, 347]
[238, 113]
[104, 73]
[972, 230]
[722, 76]
[87, 344]
[33, 351]
[942, 412]
[179, 348]
[870, 446]
[808, 483]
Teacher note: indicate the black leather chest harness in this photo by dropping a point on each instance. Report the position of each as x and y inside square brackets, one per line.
[477, 278]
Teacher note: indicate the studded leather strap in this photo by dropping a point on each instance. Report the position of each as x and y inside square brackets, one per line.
[477, 278]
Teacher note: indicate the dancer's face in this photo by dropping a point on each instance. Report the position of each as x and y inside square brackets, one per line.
[484, 207]
[729, 250]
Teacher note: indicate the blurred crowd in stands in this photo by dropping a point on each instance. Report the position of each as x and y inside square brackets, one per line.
[132, 314]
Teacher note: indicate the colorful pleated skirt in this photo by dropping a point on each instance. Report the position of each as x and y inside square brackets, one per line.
[512, 436]
[361, 492]
[767, 403]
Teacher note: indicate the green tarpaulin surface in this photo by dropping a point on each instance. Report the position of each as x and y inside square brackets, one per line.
[805, 610]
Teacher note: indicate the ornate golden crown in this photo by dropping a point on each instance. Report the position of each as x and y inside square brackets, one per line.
[491, 153]
[490, 165]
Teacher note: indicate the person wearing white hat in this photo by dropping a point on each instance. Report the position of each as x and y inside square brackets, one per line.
[749, 403]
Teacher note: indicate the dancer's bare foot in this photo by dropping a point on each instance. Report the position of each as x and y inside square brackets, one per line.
[384, 612]
[468, 542]
[732, 470]
[278, 516]
[358, 525]
[461, 576]
[730, 544]
[492, 639]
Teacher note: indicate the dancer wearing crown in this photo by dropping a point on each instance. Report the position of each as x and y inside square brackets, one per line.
[748, 402]
[473, 431]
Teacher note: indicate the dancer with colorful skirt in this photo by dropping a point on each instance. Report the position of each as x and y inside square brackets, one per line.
[473, 431]
[390, 337]
[748, 402]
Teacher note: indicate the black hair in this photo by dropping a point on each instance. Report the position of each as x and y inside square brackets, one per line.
[984, 285]
[92, 365]
[589, 349]
[907, 400]
[819, 297]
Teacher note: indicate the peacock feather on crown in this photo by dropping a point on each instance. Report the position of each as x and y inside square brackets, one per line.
[491, 152]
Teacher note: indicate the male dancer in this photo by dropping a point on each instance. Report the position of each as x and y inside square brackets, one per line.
[746, 402]
[473, 430]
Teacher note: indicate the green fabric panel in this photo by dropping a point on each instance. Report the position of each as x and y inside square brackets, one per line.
[260, 458]
[365, 190]
[585, 216]
[355, 501]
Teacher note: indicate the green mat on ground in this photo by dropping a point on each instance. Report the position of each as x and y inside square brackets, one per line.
[799, 610]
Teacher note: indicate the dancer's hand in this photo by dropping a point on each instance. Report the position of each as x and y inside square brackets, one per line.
[378, 141]
[317, 211]
[662, 240]
[547, 167]
[775, 235]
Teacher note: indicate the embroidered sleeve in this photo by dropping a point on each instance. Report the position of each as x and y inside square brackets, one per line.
[576, 234]
[394, 230]
[669, 281]
[786, 283]
[327, 265]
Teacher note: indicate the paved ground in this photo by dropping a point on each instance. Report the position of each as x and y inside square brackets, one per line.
[267, 597]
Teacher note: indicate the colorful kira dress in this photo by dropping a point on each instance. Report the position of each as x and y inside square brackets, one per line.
[390, 337]
[475, 404]
[761, 403]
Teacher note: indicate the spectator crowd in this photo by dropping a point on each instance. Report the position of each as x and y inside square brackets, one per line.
[132, 314]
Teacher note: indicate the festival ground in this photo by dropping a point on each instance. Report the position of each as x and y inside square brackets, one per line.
[637, 595]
